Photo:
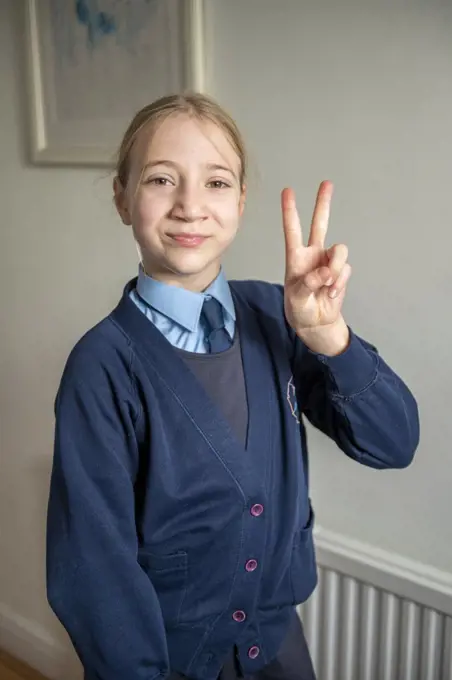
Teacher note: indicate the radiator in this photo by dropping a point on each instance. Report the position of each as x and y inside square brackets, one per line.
[357, 630]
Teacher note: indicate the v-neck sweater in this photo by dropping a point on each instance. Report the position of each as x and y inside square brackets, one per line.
[169, 540]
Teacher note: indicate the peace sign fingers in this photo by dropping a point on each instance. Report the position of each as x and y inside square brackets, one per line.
[292, 231]
[321, 216]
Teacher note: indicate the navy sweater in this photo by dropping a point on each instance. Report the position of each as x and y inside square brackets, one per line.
[169, 542]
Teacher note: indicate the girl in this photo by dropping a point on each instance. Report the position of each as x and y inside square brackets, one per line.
[179, 523]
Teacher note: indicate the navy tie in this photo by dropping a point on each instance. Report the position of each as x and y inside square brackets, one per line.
[218, 338]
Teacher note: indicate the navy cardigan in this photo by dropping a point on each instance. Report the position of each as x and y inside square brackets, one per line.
[168, 540]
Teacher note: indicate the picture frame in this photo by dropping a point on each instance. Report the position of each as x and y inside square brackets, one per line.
[90, 71]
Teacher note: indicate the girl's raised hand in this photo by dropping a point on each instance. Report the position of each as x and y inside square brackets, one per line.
[316, 277]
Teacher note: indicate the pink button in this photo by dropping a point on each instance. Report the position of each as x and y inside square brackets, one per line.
[254, 652]
[239, 616]
[251, 565]
[257, 510]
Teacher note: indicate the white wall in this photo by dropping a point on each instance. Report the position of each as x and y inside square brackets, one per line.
[359, 92]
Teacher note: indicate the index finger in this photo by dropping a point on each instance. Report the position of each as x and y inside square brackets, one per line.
[321, 216]
[292, 228]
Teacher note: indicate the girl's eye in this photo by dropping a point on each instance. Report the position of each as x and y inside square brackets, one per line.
[218, 184]
[158, 181]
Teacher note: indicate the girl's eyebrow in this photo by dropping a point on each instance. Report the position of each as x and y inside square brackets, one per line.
[209, 166]
[215, 166]
[159, 162]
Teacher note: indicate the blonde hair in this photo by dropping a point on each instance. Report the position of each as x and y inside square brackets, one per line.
[195, 104]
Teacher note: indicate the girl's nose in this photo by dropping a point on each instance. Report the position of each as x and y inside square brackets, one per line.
[188, 205]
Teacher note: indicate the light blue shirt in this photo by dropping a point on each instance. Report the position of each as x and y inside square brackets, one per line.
[177, 311]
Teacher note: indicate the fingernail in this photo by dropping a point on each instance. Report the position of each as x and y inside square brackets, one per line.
[333, 293]
[329, 282]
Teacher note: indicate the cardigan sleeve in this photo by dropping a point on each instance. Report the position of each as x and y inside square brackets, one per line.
[95, 584]
[358, 401]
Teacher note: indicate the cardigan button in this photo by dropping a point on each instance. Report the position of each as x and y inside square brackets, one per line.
[251, 565]
[257, 510]
[254, 652]
[239, 616]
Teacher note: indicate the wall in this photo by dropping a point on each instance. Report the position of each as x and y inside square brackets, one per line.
[359, 93]
[356, 92]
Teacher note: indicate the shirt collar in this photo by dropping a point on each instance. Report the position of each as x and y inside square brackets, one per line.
[181, 305]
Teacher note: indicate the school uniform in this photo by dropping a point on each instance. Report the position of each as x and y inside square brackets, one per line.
[179, 523]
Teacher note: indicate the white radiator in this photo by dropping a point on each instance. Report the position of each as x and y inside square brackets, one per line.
[374, 617]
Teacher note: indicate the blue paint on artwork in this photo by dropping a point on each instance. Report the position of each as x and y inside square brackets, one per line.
[98, 24]
[106, 23]
[82, 12]
[89, 24]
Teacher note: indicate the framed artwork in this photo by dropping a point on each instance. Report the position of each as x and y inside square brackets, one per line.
[94, 63]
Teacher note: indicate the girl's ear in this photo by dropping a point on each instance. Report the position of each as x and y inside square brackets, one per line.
[121, 201]
[242, 200]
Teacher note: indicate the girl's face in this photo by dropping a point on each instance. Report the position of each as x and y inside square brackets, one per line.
[183, 199]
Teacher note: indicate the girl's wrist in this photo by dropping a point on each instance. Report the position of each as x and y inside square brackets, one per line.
[330, 340]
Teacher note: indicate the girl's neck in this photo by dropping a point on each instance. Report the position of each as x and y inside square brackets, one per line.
[194, 282]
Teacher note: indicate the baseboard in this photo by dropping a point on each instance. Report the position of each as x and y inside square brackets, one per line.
[406, 578]
[31, 643]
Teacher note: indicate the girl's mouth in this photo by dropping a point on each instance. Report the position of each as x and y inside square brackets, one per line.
[188, 240]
